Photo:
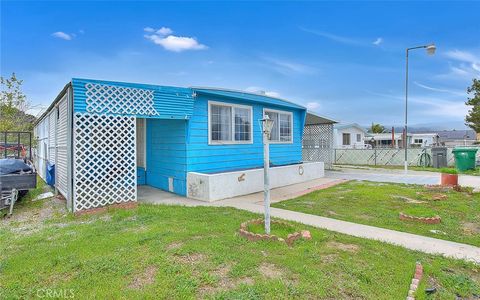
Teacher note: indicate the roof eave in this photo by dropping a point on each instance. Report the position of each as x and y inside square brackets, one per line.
[59, 96]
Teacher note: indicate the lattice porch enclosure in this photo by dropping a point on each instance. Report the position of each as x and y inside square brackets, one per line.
[119, 100]
[104, 160]
[317, 144]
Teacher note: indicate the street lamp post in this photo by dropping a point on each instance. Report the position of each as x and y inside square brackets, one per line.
[430, 51]
[267, 125]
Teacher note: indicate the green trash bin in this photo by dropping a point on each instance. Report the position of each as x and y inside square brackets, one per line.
[465, 158]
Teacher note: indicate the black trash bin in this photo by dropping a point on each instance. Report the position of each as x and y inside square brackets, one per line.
[439, 157]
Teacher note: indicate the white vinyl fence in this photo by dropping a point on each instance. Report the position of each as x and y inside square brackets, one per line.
[386, 157]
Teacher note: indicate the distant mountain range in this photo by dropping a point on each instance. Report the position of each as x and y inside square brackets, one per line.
[428, 127]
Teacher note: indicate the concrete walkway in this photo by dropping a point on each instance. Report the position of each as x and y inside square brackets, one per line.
[378, 176]
[254, 203]
[407, 240]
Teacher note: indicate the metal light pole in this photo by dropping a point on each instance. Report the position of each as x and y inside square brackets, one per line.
[267, 125]
[430, 51]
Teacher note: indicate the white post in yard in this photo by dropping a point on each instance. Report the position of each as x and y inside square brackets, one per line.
[266, 181]
[267, 127]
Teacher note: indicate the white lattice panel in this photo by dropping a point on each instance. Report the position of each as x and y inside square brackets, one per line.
[104, 155]
[317, 144]
[119, 100]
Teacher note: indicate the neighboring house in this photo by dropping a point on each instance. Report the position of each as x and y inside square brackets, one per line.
[423, 139]
[385, 140]
[349, 136]
[107, 138]
[389, 140]
[457, 137]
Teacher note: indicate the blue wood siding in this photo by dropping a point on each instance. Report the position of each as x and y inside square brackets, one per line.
[140, 176]
[166, 154]
[170, 102]
[202, 157]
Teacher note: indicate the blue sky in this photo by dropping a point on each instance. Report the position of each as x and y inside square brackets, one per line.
[345, 60]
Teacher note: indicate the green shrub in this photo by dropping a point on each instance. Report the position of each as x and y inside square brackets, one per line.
[448, 171]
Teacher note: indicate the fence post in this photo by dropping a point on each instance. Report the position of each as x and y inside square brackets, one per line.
[375, 155]
[334, 156]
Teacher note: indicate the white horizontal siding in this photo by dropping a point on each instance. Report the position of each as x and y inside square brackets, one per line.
[62, 139]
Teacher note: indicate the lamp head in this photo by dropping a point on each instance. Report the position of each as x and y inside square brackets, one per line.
[431, 49]
[267, 124]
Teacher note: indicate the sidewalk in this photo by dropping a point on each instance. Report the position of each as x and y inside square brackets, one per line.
[397, 176]
[407, 240]
[254, 203]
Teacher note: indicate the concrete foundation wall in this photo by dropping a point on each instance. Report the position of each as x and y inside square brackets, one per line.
[212, 187]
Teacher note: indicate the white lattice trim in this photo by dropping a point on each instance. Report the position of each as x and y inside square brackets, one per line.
[104, 160]
[119, 100]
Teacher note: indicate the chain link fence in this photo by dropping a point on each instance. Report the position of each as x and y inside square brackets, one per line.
[387, 157]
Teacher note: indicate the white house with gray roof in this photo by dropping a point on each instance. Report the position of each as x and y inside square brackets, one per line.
[349, 136]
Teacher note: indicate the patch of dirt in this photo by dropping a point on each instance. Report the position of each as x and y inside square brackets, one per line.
[270, 271]
[376, 184]
[438, 197]
[332, 213]
[471, 228]
[408, 200]
[144, 279]
[174, 245]
[31, 220]
[433, 283]
[365, 217]
[224, 281]
[437, 231]
[190, 259]
[345, 191]
[329, 258]
[344, 247]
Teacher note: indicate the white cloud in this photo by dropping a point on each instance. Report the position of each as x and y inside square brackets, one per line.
[343, 39]
[259, 90]
[333, 37]
[438, 107]
[165, 38]
[459, 93]
[464, 56]
[378, 41]
[62, 35]
[287, 67]
[467, 67]
[312, 105]
[432, 106]
[165, 31]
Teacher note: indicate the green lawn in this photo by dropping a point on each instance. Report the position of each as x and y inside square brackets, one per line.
[379, 204]
[182, 252]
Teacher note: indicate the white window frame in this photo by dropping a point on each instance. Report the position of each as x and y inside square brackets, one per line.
[418, 141]
[284, 113]
[349, 138]
[233, 106]
[359, 137]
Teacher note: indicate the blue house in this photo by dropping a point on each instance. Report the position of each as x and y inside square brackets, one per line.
[107, 139]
